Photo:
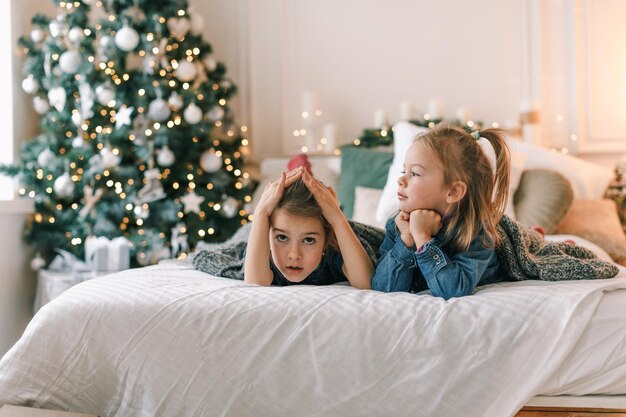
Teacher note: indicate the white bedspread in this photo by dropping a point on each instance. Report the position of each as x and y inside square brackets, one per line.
[171, 341]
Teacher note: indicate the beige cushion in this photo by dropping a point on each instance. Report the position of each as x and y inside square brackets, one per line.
[598, 222]
[542, 198]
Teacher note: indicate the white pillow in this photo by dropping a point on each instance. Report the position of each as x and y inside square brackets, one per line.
[365, 201]
[518, 161]
[404, 134]
[589, 181]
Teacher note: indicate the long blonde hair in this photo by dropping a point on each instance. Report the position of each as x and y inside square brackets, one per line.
[463, 160]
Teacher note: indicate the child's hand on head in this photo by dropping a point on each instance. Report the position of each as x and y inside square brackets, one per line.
[402, 223]
[274, 191]
[424, 224]
[325, 197]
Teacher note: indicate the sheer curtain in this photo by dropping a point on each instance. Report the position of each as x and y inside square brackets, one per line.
[6, 102]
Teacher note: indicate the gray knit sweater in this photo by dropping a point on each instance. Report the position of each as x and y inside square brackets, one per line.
[524, 254]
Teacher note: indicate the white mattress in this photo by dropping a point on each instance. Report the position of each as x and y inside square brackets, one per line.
[169, 340]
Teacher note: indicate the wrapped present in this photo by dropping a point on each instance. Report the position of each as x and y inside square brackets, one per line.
[96, 253]
[102, 254]
[118, 254]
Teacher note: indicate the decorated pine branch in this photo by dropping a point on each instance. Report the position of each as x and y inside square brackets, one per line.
[137, 134]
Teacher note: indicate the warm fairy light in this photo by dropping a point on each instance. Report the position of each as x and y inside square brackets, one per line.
[237, 172]
[247, 199]
[181, 12]
[49, 190]
[470, 123]
[222, 102]
[74, 206]
[150, 36]
[170, 124]
[244, 142]
[357, 142]
[211, 230]
[495, 125]
[305, 114]
[383, 133]
[559, 118]
[180, 214]
[201, 233]
[176, 186]
[573, 138]
[51, 220]
[209, 186]
[139, 222]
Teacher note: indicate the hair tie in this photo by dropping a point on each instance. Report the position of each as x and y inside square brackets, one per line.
[488, 151]
[475, 134]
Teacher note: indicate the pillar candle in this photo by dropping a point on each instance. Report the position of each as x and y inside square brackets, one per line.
[329, 132]
[435, 108]
[309, 102]
[406, 110]
[380, 118]
[464, 114]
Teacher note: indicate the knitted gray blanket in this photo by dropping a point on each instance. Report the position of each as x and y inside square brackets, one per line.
[226, 259]
[524, 254]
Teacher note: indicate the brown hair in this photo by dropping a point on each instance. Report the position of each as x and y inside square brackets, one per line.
[462, 159]
[298, 200]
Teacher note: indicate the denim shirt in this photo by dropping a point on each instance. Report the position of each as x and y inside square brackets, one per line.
[437, 266]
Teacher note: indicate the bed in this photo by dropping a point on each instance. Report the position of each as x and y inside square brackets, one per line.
[167, 340]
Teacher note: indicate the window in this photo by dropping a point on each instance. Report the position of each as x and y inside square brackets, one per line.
[6, 106]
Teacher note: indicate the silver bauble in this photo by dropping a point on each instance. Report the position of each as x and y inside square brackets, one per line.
[109, 159]
[186, 71]
[78, 142]
[75, 35]
[70, 62]
[37, 262]
[127, 39]
[216, 113]
[166, 157]
[37, 35]
[64, 186]
[210, 162]
[45, 158]
[41, 105]
[30, 84]
[159, 110]
[192, 114]
[77, 119]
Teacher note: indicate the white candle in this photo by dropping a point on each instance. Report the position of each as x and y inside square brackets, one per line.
[529, 120]
[435, 108]
[329, 137]
[380, 118]
[309, 103]
[464, 114]
[406, 110]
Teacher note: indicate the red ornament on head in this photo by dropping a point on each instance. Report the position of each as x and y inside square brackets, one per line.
[298, 161]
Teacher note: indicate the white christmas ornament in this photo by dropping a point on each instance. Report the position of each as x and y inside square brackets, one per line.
[109, 159]
[37, 35]
[87, 97]
[158, 110]
[178, 26]
[186, 71]
[75, 35]
[57, 97]
[45, 158]
[123, 116]
[210, 63]
[210, 162]
[78, 142]
[70, 62]
[105, 94]
[192, 202]
[41, 105]
[175, 100]
[77, 119]
[30, 85]
[230, 207]
[192, 114]
[141, 211]
[166, 157]
[58, 27]
[64, 186]
[37, 262]
[127, 39]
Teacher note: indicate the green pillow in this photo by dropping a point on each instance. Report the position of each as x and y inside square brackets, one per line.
[365, 167]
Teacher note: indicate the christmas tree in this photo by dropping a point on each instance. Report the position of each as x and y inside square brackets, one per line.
[137, 135]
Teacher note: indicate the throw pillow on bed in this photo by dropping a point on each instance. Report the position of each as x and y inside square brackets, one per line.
[597, 221]
[542, 198]
[360, 166]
